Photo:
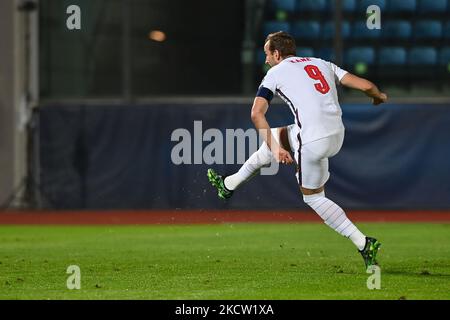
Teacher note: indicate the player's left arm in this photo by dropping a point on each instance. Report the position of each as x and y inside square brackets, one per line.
[258, 115]
[366, 86]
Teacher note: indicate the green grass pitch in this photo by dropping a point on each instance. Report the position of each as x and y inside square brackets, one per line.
[224, 261]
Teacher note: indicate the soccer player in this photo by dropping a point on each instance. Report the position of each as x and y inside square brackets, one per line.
[308, 86]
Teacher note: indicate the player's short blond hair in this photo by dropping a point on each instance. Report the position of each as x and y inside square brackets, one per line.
[283, 42]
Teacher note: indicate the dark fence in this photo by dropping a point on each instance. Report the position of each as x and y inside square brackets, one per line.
[115, 157]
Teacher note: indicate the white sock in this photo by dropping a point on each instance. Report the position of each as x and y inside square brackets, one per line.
[358, 239]
[250, 168]
[335, 218]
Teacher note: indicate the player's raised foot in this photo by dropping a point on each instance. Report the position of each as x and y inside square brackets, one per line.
[369, 253]
[218, 182]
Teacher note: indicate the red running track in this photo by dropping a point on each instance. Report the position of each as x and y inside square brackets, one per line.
[205, 217]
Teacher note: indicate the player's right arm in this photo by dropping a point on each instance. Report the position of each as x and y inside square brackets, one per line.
[258, 115]
[259, 109]
[366, 86]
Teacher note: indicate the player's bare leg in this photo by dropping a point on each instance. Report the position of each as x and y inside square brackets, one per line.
[335, 217]
[261, 158]
[226, 185]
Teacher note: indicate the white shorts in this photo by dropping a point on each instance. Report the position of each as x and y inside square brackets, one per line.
[312, 157]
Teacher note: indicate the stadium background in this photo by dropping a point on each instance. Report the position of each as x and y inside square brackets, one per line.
[91, 127]
[86, 115]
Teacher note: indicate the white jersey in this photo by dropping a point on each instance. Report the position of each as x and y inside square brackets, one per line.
[308, 86]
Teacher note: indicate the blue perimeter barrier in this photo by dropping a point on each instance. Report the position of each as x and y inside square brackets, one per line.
[119, 157]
